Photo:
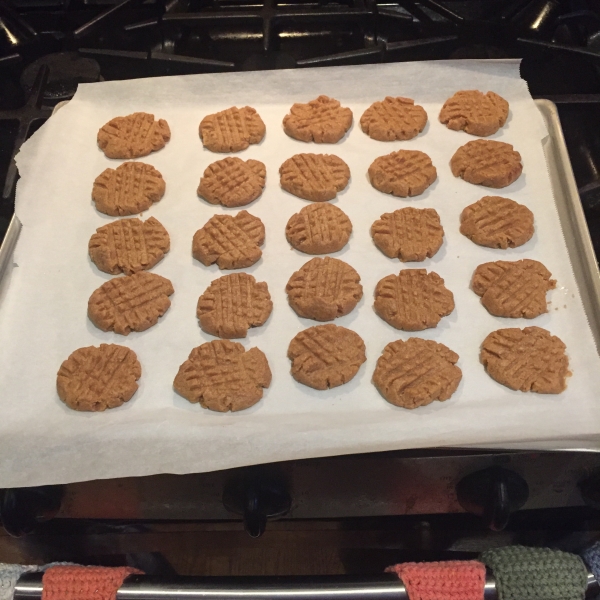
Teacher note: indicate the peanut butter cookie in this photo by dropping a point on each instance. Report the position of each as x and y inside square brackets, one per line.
[475, 112]
[416, 372]
[326, 356]
[94, 379]
[322, 120]
[222, 376]
[393, 119]
[232, 130]
[529, 360]
[486, 162]
[402, 173]
[133, 136]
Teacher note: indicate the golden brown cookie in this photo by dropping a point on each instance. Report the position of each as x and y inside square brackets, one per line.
[222, 376]
[326, 356]
[497, 222]
[232, 304]
[128, 246]
[486, 162]
[133, 136]
[129, 189]
[416, 372]
[232, 130]
[475, 112]
[94, 379]
[231, 242]
[318, 229]
[410, 234]
[233, 181]
[322, 120]
[413, 300]
[529, 360]
[393, 119]
[513, 289]
[131, 303]
[323, 289]
[316, 177]
[402, 173]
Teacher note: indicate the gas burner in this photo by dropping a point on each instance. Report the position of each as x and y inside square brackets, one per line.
[66, 70]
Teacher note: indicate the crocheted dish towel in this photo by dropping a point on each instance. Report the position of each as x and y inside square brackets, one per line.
[591, 556]
[536, 573]
[10, 574]
[451, 580]
[84, 583]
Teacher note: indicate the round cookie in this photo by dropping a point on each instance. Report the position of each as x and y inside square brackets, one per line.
[131, 303]
[318, 229]
[323, 121]
[324, 289]
[528, 360]
[513, 289]
[133, 136]
[413, 300]
[232, 130]
[475, 112]
[402, 173]
[416, 372]
[129, 189]
[223, 376]
[326, 356]
[129, 245]
[233, 182]
[232, 304]
[94, 379]
[231, 242]
[486, 162]
[315, 177]
[393, 119]
[410, 234]
[497, 222]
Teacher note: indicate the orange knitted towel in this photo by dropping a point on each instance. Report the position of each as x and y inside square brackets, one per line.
[451, 580]
[84, 583]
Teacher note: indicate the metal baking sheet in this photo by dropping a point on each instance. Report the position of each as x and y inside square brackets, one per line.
[291, 421]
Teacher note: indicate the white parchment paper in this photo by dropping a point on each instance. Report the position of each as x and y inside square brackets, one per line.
[43, 312]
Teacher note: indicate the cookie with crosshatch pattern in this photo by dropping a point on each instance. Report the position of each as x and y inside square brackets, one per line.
[410, 234]
[233, 182]
[487, 162]
[324, 289]
[318, 229]
[413, 300]
[326, 356]
[393, 119]
[475, 112]
[223, 376]
[133, 136]
[315, 177]
[528, 360]
[402, 173]
[230, 241]
[232, 304]
[322, 120]
[416, 372]
[97, 378]
[131, 188]
[232, 130]
[129, 245]
[131, 303]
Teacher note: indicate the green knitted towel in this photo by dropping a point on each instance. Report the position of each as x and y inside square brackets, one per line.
[536, 573]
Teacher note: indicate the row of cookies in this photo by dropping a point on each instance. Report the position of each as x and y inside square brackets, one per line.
[134, 186]
[221, 375]
[322, 120]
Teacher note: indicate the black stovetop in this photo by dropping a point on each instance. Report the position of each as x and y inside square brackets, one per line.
[92, 40]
